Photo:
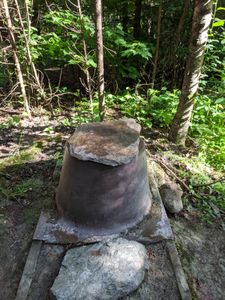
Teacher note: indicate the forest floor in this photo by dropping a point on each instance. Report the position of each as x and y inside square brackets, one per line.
[30, 160]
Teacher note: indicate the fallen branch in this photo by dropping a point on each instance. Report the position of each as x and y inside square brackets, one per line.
[216, 209]
[10, 112]
[171, 172]
[183, 184]
[6, 176]
[210, 183]
[161, 159]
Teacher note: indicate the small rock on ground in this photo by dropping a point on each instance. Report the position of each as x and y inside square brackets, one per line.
[171, 197]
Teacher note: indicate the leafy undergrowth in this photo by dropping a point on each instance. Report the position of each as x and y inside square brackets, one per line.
[156, 109]
[201, 165]
[206, 188]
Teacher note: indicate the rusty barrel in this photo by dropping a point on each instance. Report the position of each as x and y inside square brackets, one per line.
[103, 186]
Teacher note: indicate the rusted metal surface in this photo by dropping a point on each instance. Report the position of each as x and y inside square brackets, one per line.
[102, 199]
[155, 227]
[52, 230]
[103, 188]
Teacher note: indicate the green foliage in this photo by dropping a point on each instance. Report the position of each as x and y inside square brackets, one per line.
[19, 157]
[208, 198]
[12, 192]
[159, 107]
[156, 108]
[208, 128]
[128, 54]
[49, 130]
[131, 105]
[13, 121]
[82, 113]
[60, 41]
[214, 68]
[163, 105]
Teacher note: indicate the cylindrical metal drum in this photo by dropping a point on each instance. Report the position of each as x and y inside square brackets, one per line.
[100, 198]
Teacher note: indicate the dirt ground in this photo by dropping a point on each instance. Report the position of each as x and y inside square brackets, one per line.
[30, 160]
[202, 252]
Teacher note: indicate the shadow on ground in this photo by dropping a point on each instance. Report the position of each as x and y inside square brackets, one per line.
[27, 189]
[30, 162]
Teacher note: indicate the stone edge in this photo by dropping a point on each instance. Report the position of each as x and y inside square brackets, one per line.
[172, 251]
[28, 271]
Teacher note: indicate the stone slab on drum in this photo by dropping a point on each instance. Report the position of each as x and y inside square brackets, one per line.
[111, 143]
[109, 270]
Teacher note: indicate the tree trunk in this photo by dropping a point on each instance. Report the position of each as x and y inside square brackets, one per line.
[100, 57]
[178, 37]
[124, 8]
[137, 18]
[155, 64]
[16, 59]
[214, 14]
[27, 46]
[86, 71]
[199, 35]
[181, 23]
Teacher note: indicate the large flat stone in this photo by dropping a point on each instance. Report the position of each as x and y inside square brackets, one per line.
[108, 270]
[111, 143]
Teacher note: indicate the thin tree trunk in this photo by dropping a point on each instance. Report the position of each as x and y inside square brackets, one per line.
[178, 36]
[16, 59]
[88, 77]
[155, 64]
[125, 15]
[3, 58]
[137, 18]
[28, 20]
[30, 61]
[214, 14]
[199, 35]
[100, 58]
[181, 23]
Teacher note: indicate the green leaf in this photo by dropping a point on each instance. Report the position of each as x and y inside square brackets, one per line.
[220, 100]
[221, 8]
[218, 23]
[91, 63]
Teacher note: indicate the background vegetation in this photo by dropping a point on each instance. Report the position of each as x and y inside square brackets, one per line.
[145, 54]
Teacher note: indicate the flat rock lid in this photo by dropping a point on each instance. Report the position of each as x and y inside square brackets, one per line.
[111, 143]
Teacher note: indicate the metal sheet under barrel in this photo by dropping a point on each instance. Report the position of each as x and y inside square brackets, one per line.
[104, 184]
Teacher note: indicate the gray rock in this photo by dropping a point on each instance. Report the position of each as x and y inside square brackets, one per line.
[107, 270]
[111, 143]
[171, 197]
